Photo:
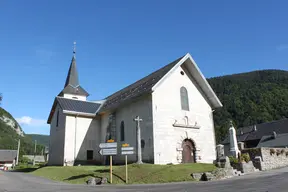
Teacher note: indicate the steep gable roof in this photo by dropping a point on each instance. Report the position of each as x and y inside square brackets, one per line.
[138, 88]
[149, 83]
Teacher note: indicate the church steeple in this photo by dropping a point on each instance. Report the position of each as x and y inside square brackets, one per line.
[72, 77]
[72, 87]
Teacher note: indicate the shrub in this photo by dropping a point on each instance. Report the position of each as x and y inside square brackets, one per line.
[24, 160]
[272, 151]
[233, 159]
[282, 151]
[286, 153]
[245, 157]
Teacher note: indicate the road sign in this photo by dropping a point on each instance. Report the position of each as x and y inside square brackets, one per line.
[127, 148]
[110, 151]
[127, 152]
[108, 145]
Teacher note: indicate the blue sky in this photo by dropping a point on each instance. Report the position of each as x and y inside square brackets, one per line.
[119, 42]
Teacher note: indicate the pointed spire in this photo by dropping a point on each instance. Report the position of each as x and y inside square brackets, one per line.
[72, 85]
[72, 76]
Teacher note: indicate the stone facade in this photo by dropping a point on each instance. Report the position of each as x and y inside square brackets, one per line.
[272, 160]
[171, 124]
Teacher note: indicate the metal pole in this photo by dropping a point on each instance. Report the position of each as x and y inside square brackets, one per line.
[126, 169]
[17, 159]
[111, 169]
[34, 152]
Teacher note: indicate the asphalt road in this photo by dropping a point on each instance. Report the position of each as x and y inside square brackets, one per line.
[270, 181]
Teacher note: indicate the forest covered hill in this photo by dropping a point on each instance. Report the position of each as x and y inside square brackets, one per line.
[41, 139]
[11, 132]
[250, 98]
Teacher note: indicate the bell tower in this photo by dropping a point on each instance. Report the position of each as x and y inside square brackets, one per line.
[72, 88]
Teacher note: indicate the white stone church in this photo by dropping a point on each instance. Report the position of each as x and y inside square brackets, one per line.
[176, 104]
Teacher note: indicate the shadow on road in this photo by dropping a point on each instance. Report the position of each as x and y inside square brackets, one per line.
[25, 170]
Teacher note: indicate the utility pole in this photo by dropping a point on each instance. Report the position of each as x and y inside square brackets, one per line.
[34, 152]
[139, 151]
[17, 159]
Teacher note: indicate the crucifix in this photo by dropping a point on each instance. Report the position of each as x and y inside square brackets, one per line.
[139, 152]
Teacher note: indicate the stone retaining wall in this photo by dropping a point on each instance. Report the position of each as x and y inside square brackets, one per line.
[265, 158]
[273, 158]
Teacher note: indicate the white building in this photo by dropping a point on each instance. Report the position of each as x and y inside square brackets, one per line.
[175, 102]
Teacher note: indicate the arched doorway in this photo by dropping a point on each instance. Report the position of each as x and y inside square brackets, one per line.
[188, 152]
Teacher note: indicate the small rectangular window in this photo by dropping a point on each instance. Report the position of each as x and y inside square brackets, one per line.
[89, 154]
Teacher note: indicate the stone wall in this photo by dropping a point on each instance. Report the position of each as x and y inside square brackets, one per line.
[267, 158]
[273, 158]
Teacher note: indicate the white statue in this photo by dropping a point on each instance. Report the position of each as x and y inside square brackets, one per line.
[233, 141]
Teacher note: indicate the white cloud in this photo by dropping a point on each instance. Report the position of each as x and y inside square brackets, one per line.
[26, 120]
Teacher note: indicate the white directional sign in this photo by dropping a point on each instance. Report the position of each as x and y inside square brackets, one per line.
[111, 151]
[108, 145]
[127, 152]
[127, 148]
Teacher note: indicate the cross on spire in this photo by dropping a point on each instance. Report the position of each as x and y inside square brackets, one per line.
[74, 48]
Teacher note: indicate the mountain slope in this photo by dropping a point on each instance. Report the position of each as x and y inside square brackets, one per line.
[250, 98]
[41, 139]
[11, 132]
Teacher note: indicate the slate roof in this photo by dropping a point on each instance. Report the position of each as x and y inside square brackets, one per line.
[72, 85]
[78, 105]
[7, 155]
[247, 133]
[138, 88]
[72, 77]
[281, 140]
[75, 106]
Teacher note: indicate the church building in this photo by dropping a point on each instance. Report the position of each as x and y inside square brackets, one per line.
[176, 106]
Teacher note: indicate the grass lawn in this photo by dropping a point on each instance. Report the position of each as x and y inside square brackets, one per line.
[145, 173]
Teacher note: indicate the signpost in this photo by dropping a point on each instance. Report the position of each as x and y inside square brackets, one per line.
[111, 151]
[126, 150]
[109, 148]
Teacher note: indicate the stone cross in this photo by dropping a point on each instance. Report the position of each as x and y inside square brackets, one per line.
[139, 151]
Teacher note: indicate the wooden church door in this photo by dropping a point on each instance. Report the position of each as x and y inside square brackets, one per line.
[188, 152]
